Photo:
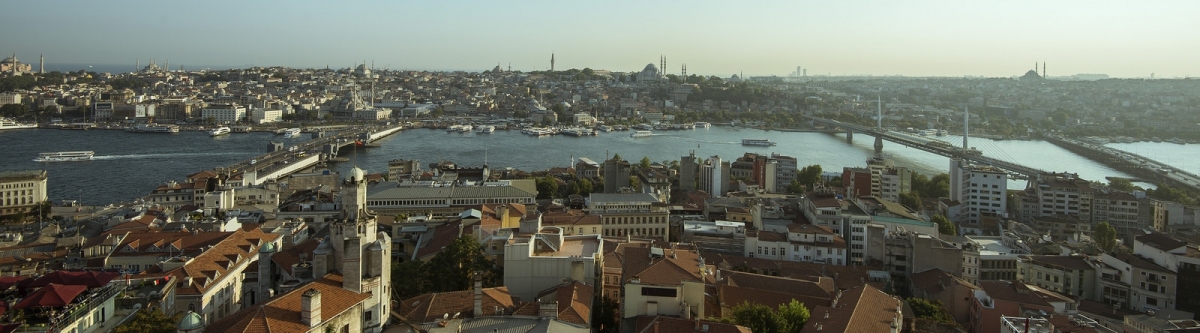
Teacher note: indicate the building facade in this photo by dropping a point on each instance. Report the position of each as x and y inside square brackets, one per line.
[22, 191]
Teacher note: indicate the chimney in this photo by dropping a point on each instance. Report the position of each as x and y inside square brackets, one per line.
[548, 309]
[310, 307]
[478, 294]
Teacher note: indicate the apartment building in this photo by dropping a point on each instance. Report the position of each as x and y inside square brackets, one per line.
[981, 190]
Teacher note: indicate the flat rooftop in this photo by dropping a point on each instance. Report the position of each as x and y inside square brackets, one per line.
[992, 246]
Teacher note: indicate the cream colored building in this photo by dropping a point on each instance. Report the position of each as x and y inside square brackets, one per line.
[20, 191]
[548, 257]
[635, 214]
[672, 285]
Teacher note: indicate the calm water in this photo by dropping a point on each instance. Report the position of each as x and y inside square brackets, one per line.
[130, 165]
[127, 165]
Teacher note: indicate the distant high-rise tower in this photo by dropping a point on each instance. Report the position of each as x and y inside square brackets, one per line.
[41, 64]
[552, 62]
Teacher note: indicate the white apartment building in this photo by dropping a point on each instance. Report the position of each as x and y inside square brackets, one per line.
[714, 176]
[982, 190]
[797, 242]
[545, 259]
[10, 98]
[261, 116]
[20, 191]
[887, 180]
[224, 113]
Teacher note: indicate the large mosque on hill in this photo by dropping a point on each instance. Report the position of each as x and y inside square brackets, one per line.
[12, 66]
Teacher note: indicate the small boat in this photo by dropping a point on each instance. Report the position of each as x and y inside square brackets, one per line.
[241, 129]
[291, 133]
[641, 134]
[702, 124]
[219, 131]
[485, 129]
[65, 156]
[606, 128]
[280, 131]
[757, 142]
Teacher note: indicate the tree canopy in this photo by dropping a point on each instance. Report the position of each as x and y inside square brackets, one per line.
[945, 227]
[150, 320]
[809, 175]
[1105, 236]
[790, 317]
[449, 270]
[930, 309]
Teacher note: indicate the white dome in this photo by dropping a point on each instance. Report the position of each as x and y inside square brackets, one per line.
[190, 321]
[357, 174]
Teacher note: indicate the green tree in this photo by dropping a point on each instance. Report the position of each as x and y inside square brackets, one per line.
[1105, 236]
[14, 111]
[1123, 184]
[585, 186]
[930, 309]
[795, 187]
[617, 157]
[938, 187]
[945, 227]
[759, 318]
[794, 314]
[645, 162]
[912, 200]
[452, 268]
[408, 278]
[150, 320]
[547, 187]
[604, 318]
[635, 183]
[809, 175]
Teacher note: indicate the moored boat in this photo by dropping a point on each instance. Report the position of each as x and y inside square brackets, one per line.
[219, 131]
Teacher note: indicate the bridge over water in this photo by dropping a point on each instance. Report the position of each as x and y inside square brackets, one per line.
[1016, 171]
[279, 161]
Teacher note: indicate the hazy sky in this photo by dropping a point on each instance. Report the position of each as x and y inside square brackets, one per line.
[913, 37]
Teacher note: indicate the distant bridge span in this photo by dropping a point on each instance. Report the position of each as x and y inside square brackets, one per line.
[937, 147]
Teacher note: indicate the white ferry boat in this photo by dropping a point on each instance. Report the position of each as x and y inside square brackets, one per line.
[65, 156]
[485, 129]
[241, 129]
[153, 128]
[757, 142]
[7, 124]
[701, 124]
[219, 131]
[291, 133]
[641, 134]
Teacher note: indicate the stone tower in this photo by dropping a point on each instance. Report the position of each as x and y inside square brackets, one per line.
[360, 252]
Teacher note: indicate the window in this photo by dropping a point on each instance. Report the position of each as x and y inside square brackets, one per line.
[368, 316]
[659, 292]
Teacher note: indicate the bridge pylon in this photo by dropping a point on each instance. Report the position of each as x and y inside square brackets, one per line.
[879, 145]
[849, 136]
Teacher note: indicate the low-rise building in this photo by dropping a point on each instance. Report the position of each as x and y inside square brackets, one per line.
[635, 214]
[22, 191]
[1068, 275]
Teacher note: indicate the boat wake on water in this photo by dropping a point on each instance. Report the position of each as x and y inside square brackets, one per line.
[144, 156]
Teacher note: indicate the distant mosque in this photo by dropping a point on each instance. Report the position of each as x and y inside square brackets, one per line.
[1032, 75]
[14, 67]
[652, 74]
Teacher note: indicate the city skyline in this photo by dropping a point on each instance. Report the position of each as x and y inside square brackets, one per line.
[926, 38]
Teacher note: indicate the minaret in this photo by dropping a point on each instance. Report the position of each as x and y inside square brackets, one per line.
[137, 65]
[41, 64]
[684, 74]
[551, 62]
[1044, 76]
[167, 65]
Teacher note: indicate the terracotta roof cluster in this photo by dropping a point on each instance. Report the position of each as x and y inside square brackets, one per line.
[443, 235]
[574, 302]
[154, 242]
[673, 267]
[431, 307]
[286, 258]
[282, 313]
[738, 287]
[660, 324]
[843, 277]
[215, 262]
[1013, 291]
[935, 280]
[863, 309]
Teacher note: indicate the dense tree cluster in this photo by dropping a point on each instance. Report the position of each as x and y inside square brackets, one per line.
[789, 317]
[150, 320]
[451, 269]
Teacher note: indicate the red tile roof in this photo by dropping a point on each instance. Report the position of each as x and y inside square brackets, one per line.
[431, 307]
[282, 313]
[863, 309]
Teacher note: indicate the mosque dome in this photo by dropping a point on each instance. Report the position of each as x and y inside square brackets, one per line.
[269, 247]
[649, 68]
[190, 321]
[9, 60]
